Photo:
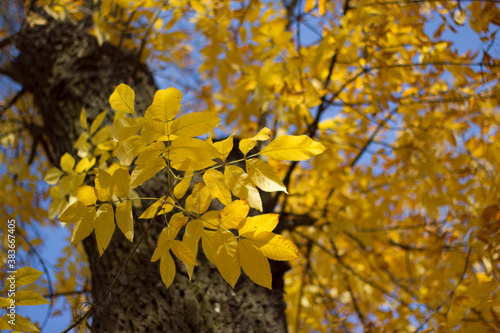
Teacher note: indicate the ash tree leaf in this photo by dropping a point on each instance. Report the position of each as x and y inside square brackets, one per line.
[246, 145]
[191, 238]
[97, 122]
[83, 119]
[129, 150]
[225, 247]
[293, 148]
[167, 269]
[182, 251]
[193, 124]
[28, 297]
[67, 163]
[182, 187]
[122, 99]
[121, 180]
[22, 324]
[200, 154]
[263, 175]
[144, 172]
[166, 104]
[124, 128]
[231, 216]
[254, 225]
[104, 227]
[103, 184]
[254, 263]
[199, 200]
[217, 185]
[74, 213]
[86, 194]
[124, 219]
[242, 186]
[4, 324]
[275, 246]
[52, 176]
[208, 245]
[25, 276]
[84, 227]
[167, 206]
[224, 147]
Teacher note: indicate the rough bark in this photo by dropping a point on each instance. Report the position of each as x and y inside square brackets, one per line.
[65, 69]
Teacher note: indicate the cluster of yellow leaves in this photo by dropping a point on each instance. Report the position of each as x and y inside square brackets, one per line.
[393, 230]
[160, 140]
[11, 320]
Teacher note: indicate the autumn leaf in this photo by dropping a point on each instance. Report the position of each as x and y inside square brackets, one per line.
[122, 99]
[293, 148]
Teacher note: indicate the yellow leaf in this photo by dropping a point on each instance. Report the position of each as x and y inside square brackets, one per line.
[86, 194]
[121, 179]
[199, 200]
[144, 172]
[22, 324]
[122, 99]
[4, 324]
[253, 225]
[182, 252]
[83, 119]
[309, 5]
[293, 148]
[231, 216]
[166, 104]
[177, 221]
[196, 150]
[191, 238]
[255, 264]
[153, 129]
[82, 140]
[97, 122]
[104, 227]
[5, 301]
[217, 185]
[263, 175]
[224, 147]
[84, 165]
[28, 297]
[151, 211]
[25, 276]
[124, 128]
[193, 124]
[125, 220]
[67, 163]
[163, 244]
[84, 227]
[225, 248]
[275, 246]
[211, 219]
[74, 213]
[208, 245]
[167, 269]
[246, 145]
[103, 184]
[321, 7]
[181, 188]
[129, 150]
[240, 184]
[151, 152]
[52, 176]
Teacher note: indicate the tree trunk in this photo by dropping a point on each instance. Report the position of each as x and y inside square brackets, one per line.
[65, 69]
